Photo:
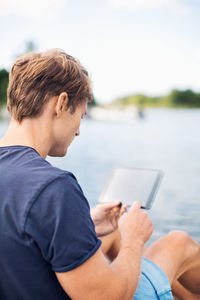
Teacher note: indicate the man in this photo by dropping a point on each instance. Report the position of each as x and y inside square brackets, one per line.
[49, 247]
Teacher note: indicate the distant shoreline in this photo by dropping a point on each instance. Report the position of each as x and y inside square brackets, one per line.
[116, 110]
[175, 99]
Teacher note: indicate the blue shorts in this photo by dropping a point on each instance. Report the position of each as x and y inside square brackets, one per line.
[153, 284]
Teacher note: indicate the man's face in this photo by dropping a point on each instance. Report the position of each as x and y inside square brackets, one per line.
[66, 129]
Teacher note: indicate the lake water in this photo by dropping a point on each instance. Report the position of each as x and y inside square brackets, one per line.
[165, 139]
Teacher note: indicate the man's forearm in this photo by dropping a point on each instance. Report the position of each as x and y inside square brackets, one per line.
[127, 267]
[126, 264]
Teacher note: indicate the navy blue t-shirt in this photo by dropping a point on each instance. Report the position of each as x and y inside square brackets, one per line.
[45, 226]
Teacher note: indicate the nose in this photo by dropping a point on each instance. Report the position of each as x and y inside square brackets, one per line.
[77, 133]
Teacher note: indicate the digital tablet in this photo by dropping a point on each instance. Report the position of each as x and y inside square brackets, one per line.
[132, 184]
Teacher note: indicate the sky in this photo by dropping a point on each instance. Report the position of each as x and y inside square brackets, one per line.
[128, 46]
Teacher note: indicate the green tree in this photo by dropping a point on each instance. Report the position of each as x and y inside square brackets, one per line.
[184, 98]
[3, 86]
[176, 98]
[4, 74]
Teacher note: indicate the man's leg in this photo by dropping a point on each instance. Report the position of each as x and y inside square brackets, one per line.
[182, 293]
[179, 257]
[111, 244]
[158, 253]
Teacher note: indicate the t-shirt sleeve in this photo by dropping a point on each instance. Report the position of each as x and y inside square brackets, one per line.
[59, 223]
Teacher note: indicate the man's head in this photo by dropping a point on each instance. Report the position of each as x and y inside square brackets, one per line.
[48, 92]
[37, 77]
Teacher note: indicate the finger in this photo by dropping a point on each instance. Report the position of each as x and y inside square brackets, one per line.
[118, 212]
[115, 211]
[123, 210]
[124, 207]
[117, 203]
[112, 205]
[120, 204]
[136, 205]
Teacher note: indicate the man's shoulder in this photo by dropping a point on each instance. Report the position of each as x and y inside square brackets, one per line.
[50, 177]
[52, 173]
[47, 170]
[29, 165]
[28, 173]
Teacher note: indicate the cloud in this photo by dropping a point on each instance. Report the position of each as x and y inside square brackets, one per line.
[34, 8]
[139, 5]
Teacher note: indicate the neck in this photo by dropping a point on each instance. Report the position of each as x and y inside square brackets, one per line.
[30, 132]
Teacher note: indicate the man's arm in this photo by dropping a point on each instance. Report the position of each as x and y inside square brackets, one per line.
[97, 279]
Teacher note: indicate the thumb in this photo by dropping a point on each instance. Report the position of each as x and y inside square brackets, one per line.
[115, 204]
[136, 205]
[110, 205]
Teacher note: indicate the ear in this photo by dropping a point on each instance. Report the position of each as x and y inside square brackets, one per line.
[61, 103]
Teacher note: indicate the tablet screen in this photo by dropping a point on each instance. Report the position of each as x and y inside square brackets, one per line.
[132, 184]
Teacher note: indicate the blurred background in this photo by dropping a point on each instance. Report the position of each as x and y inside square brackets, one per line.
[143, 58]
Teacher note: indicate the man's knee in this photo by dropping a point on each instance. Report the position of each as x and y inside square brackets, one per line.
[175, 242]
[183, 244]
[178, 238]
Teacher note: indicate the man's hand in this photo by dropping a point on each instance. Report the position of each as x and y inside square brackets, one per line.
[135, 227]
[106, 217]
